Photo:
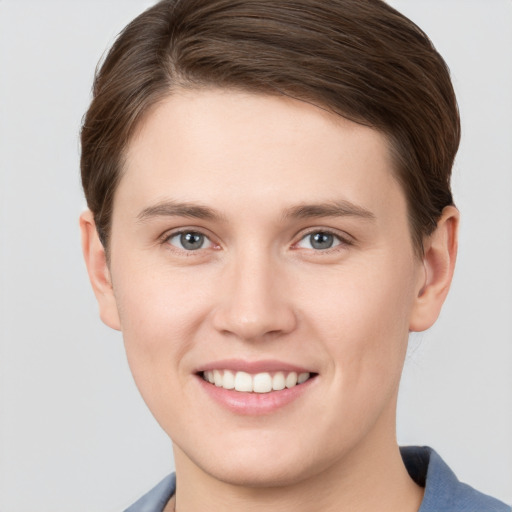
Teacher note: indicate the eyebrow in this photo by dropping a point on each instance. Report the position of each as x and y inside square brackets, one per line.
[341, 208]
[177, 209]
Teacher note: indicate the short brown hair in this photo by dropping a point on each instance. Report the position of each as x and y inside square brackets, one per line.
[360, 59]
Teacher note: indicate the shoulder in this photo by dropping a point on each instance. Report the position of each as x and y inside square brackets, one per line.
[156, 499]
[443, 491]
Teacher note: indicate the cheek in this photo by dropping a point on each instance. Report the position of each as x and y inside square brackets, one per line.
[362, 315]
[160, 314]
[160, 301]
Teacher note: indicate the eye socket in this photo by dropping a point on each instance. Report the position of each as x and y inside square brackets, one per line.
[189, 241]
[319, 241]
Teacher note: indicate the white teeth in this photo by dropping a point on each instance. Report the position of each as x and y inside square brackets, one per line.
[243, 382]
[291, 380]
[229, 380]
[217, 378]
[303, 377]
[262, 382]
[278, 381]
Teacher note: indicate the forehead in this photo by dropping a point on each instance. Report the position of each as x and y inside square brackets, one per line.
[214, 145]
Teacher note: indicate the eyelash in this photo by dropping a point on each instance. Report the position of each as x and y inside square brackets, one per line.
[167, 237]
[342, 241]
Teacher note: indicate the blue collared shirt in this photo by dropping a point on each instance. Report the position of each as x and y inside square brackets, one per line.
[443, 491]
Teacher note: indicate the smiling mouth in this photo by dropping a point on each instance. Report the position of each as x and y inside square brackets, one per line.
[255, 383]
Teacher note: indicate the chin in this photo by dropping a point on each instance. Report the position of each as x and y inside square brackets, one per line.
[265, 475]
[267, 464]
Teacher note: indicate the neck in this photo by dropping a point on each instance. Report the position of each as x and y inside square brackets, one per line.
[370, 477]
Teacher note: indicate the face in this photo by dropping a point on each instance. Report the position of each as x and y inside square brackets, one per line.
[255, 241]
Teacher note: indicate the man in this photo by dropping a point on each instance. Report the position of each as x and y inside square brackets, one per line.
[270, 216]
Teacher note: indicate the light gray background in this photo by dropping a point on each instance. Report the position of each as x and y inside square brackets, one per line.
[74, 433]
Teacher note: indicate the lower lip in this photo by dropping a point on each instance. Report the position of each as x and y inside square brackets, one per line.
[254, 404]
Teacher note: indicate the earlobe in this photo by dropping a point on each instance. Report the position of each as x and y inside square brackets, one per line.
[439, 264]
[99, 273]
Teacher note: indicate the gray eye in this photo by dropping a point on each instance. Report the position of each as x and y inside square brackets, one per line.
[189, 241]
[319, 240]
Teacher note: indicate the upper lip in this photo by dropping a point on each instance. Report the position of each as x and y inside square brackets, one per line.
[253, 367]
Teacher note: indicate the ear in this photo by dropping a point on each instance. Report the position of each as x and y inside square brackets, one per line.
[440, 252]
[99, 273]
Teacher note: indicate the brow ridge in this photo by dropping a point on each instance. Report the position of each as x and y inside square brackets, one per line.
[178, 209]
[339, 208]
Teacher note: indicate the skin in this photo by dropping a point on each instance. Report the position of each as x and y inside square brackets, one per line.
[257, 290]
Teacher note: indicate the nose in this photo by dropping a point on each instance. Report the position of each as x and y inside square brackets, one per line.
[254, 303]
